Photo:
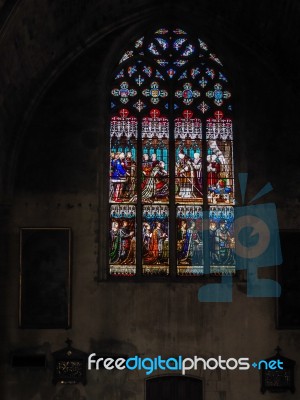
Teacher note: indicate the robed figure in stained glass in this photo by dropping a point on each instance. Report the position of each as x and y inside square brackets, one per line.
[156, 245]
[224, 245]
[191, 253]
[120, 242]
[130, 168]
[118, 176]
[155, 186]
[213, 170]
[197, 167]
[184, 173]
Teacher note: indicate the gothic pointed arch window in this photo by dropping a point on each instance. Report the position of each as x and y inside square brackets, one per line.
[171, 160]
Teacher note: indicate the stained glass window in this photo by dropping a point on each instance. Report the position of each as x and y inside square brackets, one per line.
[171, 160]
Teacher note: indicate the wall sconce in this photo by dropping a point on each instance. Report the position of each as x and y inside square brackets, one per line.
[69, 365]
[278, 380]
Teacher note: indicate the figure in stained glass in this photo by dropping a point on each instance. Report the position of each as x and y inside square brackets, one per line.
[156, 245]
[118, 176]
[184, 176]
[130, 168]
[155, 239]
[154, 160]
[146, 169]
[189, 240]
[156, 185]
[121, 238]
[181, 77]
[221, 239]
[146, 237]
[213, 170]
[223, 253]
[197, 167]
[192, 246]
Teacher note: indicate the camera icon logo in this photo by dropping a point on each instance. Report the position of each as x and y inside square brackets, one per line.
[257, 245]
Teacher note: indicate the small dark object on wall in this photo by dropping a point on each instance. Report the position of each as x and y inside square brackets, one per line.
[69, 365]
[28, 360]
[278, 380]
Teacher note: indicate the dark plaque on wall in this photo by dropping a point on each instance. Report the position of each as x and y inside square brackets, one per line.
[45, 278]
[275, 379]
[69, 365]
[288, 304]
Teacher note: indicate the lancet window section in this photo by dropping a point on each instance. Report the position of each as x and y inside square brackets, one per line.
[171, 160]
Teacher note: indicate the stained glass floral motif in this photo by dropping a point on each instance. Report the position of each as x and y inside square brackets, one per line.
[180, 63]
[163, 43]
[153, 49]
[187, 94]
[127, 55]
[178, 43]
[162, 31]
[195, 72]
[221, 240]
[215, 58]
[139, 43]
[159, 75]
[131, 70]
[155, 235]
[171, 72]
[188, 50]
[183, 76]
[203, 107]
[203, 45]
[120, 74]
[155, 93]
[124, 92]
[189, 238]
[210, 72]
[218, 94]
[147, 71]
[162, 62]
[203, 82]
[179, 32]
[139, 80]
[139, 105]
[222, 77]
[122, 251]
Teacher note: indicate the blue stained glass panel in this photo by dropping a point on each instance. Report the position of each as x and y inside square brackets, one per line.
[178, 43]
[153, 49]
[189, 224]
[221, 240]
[163, 43]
